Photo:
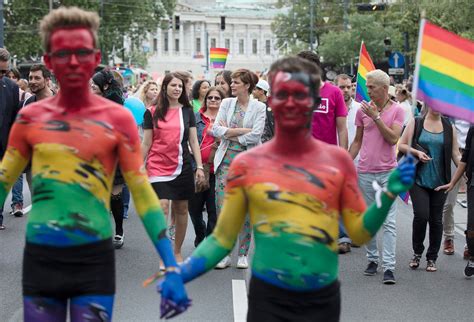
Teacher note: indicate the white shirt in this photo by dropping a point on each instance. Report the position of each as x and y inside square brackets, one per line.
[351, 127]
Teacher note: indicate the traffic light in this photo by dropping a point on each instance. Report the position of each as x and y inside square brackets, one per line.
[387, 42]
[176, 22]
[222, 23]
[370, 7]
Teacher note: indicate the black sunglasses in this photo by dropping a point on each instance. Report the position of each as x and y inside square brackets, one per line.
[214, 98]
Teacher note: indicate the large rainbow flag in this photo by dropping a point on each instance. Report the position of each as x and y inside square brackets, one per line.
[365, 65]
[218, 57]
[444, 73]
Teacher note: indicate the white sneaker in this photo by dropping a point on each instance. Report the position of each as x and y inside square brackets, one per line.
[224, 263]
[242, 262]
[118, 241]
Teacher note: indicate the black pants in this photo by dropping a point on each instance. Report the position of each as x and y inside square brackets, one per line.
[270, 303]
[116, 205]
[470, 220]
[427, 208]
[196, 204]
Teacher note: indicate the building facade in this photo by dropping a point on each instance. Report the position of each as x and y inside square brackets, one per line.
[242, 27]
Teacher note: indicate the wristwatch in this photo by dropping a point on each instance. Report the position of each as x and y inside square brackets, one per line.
[377, 118]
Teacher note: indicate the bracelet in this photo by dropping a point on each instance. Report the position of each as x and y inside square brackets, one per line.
[377, 118]
[173, 269]
[200, 167]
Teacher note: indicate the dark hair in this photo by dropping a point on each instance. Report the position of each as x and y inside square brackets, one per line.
[114, 91]
[247, 77]
[211, 89]
[4, 55]
[163, 104]
[296, 64]
[40, 67]
[311, 56]
[197, 87]
[226, 75]
[184, 75]
[15, 73]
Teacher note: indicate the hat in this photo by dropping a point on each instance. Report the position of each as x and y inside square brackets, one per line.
[391, 91]
[263, 84]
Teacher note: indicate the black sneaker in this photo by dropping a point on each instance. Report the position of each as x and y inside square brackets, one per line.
[469, 270]
[388, 277]
[371, 269]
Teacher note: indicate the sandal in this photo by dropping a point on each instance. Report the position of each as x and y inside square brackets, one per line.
[431, 266]
[415, 261]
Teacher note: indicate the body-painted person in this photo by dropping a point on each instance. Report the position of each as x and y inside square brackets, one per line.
[74, 140]
[295, 189]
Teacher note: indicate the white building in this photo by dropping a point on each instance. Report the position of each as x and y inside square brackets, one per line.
[247, 35]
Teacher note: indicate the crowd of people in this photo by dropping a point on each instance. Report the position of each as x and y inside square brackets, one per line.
[193, 137]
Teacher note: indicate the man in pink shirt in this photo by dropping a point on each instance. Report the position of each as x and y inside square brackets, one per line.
[379, 126]
[329, 118]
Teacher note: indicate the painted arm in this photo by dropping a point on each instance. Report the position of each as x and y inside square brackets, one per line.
[220, 243]
[361, 227]
[342, 134]
[150, 213]
[16, 158]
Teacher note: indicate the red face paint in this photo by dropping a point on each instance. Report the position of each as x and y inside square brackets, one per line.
[291, 101]
[72, 57]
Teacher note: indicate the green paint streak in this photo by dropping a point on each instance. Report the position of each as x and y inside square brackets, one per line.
[154, 222]
[374, 217]
[446, 81]
[295, 255]
[212, 251]
[67, 205]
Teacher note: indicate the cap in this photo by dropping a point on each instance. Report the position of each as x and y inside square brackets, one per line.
[263, 84]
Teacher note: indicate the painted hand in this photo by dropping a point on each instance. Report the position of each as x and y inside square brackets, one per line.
[174, 299]
[403, 177]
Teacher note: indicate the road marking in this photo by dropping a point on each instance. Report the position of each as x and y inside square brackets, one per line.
[27, 209]
[239, 297]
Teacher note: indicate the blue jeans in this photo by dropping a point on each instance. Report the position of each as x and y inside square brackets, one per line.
[389, 226]
[126, 200]
[17, 192]
[343, 238]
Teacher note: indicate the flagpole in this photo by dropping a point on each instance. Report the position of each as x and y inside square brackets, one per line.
[417, 70]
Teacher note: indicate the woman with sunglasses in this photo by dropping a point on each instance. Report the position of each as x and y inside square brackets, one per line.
[206, 194]
[239, 125]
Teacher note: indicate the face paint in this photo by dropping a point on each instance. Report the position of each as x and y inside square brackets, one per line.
[292, 99]
[72, 57]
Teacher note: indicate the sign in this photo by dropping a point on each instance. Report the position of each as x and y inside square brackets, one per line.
[323, 107]
[396, 60]
[396, 71]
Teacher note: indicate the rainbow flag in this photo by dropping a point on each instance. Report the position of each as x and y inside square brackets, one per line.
[444, 72]
[365, 65]
[218, 57]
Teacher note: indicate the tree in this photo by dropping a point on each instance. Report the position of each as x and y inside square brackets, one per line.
[119, 19]
[342, 47]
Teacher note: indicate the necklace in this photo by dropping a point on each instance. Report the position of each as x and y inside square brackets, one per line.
[381, 110]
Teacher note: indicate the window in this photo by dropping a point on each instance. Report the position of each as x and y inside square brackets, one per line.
[155, 45]
[227, 43]
[213, 42]
[241, 46]
[198, 45]
[165, 43]
[176, 45]
[268, 47]
[254, 46]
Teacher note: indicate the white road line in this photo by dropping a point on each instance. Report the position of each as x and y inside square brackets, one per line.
[27, 209]
[239, 297]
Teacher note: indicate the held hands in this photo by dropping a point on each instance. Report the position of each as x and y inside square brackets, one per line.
[174, 299]
[403, 177]
[369, 109]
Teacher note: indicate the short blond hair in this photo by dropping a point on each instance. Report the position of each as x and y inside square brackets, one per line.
[68, 17]
[379, 76]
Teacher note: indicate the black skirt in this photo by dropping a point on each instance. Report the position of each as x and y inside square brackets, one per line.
[181, 188]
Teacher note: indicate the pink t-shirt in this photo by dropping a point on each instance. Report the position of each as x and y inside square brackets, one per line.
[376, 154]
[324, 117]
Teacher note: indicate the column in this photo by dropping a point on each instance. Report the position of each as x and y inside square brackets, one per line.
[192, 41]
[170, 42]
[234, 43]
[248, 45]
[182, 51]
[159, 39]
[203, 38]
[261, 43]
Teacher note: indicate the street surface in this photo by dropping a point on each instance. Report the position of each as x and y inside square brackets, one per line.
[220, 295]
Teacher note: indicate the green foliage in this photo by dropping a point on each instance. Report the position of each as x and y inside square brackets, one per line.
[402, 17]
[119, 19]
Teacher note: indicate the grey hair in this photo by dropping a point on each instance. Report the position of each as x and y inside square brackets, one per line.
[4, 55]
[380, 77]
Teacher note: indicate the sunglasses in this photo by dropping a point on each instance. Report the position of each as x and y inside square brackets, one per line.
[83, 55]
[3, 71]
[214, 98]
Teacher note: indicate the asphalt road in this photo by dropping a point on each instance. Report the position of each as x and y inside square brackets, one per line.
[220, 295]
